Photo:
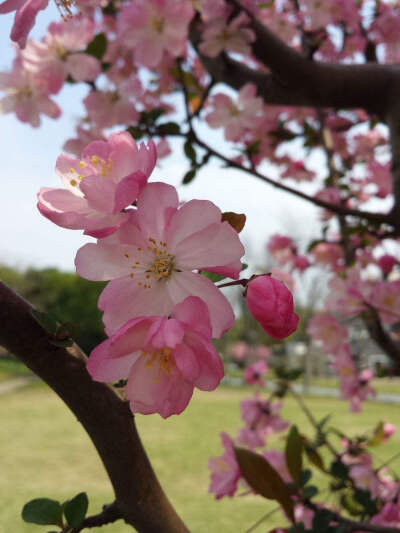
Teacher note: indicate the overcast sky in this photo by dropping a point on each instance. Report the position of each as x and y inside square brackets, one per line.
[28, 158]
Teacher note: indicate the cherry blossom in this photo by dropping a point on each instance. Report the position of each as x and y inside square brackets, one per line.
[254, 373]
[235, 117]
[151, 267]
[60, 54]
[220, 36]
[162, 358]
[99, 186]
[153, 27]
[271, 304]
[26, 95]
[225, 472]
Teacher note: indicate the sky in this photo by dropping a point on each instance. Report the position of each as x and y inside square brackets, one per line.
[28, 159]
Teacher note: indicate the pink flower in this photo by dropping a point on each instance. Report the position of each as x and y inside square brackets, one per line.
[151, 265]
[84, 136]
[325, 328]
[298, 172]
[364, 476]
[106, 180]
[162, 358]
[388, 516]
[25, 16]
[108, 108]
[235, 117]
[253, 373]
[271, 304]
[153, 27]
[26, 95]
[225, 471]
[261, 418]
[219, 36]
[285, 277]
[385, 298]
[282, 248]
[386, 263]
[60, 54]
[301, 263]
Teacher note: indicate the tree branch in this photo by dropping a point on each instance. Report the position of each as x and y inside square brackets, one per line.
[380, 336]
[107, 419]
[109, 514]
[320, 84]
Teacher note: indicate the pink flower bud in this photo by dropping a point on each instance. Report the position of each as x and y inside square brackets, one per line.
[271, 304]
[387, 262]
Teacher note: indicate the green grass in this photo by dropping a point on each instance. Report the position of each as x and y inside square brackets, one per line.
[46, 453]
[382, 385]
[11, 369]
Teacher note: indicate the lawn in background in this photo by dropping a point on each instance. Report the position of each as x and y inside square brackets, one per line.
[46, 453]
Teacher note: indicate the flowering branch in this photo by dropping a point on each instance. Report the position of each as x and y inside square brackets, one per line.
[320, 84]
[107, 419]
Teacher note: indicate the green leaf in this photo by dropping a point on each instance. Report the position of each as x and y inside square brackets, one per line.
[47, 322]
[314, 458]
[168, 128]
[97, 46]
[213, 276]
[135, 132]
[189, 176]
[264, 479]
[190, 152]
[378, 435]
[339, 469]
[310, 491]
[43, 511]
[293, 454]
[321, 521]
[305, 477]
[75, 510]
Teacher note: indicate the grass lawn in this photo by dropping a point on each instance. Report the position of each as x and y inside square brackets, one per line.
[11, 369]
[45, 453]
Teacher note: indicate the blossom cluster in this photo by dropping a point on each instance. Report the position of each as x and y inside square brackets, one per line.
[160, 311]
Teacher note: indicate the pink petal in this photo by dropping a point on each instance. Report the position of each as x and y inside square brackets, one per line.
[192, 217]
[101, 262]
[131, 337]
[214, 246]
[194, 313]
[62, 207]
[25, 19]
[11, 5]
[157, 202]
[83, 67]
[184, 284]
[123, 299]
[152, 390]
[127, 190]
[210, 363]
[186, 361]
[169, 333]
[102, 368]
[231, 271]
[99, 193]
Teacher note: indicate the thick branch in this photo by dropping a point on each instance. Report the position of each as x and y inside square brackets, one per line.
[319, 84]
[381, 337]
[393, 121]
[104, 415]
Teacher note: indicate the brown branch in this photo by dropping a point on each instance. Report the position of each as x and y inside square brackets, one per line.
[374, 218]
[320, 84]
[380, 336]
[109, 514]
[105, 416]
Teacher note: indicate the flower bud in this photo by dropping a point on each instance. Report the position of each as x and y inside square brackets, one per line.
[271, 304]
